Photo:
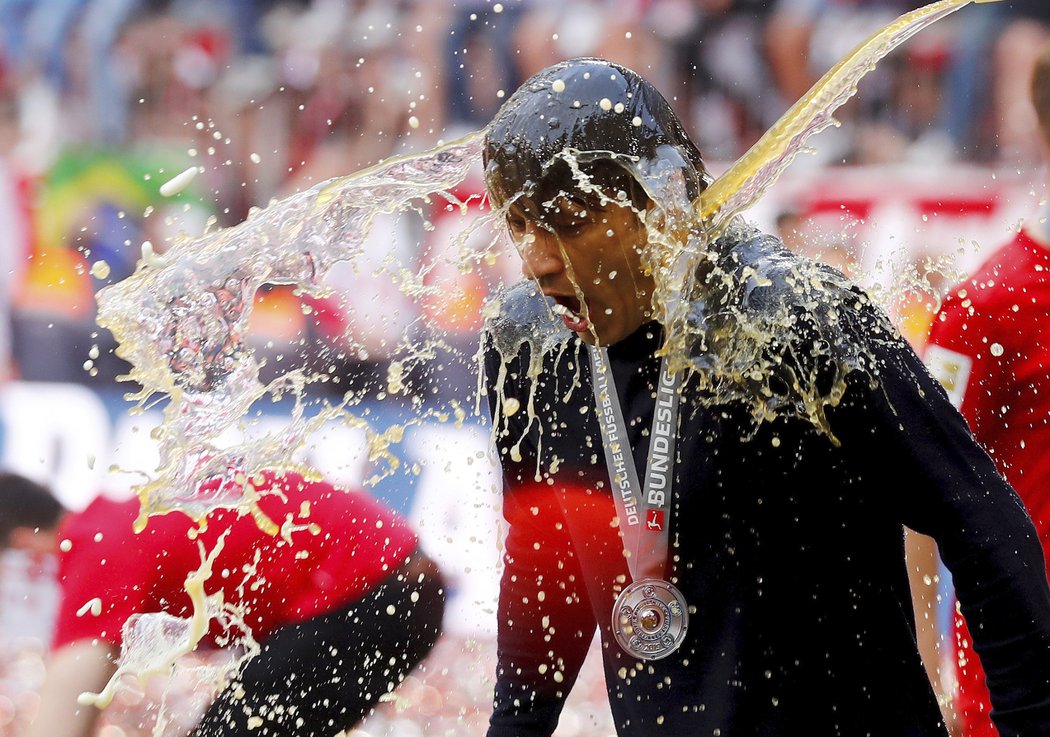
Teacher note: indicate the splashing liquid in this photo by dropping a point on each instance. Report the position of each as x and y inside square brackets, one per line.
[154, 641]
[751, 323]
[758, 169]
[180, 320]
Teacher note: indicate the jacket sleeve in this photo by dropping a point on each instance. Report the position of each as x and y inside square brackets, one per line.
[545, 623]
[944, 485]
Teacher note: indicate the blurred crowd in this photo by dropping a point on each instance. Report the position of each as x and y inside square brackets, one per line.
[102, 101]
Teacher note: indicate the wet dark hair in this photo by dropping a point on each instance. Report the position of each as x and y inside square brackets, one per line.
[596, 106]
[24, 503]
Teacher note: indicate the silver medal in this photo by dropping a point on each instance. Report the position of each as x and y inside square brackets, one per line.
[650, 619]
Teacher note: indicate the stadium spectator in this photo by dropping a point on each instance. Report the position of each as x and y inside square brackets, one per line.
[720, 75]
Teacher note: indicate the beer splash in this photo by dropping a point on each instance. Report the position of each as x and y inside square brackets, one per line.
[153, 642]
[755, 326]
[180, 321]
[760, 167]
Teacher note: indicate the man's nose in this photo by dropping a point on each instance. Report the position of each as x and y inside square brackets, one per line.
[540, 254]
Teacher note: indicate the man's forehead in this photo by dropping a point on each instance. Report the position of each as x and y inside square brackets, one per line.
[563, 202]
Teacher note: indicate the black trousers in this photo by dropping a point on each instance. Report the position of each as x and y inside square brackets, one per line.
[323, 675]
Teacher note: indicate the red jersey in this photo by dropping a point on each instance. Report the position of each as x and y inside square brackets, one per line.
[990, 348]
[335, 546]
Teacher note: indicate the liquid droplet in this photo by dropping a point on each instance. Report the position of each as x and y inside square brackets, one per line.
[178, 183]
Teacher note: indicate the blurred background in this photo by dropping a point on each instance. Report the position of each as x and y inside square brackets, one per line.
[936, 160]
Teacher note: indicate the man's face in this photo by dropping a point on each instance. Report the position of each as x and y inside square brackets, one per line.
[587, 259]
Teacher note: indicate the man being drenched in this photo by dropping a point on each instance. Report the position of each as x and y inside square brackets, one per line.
[734, 529]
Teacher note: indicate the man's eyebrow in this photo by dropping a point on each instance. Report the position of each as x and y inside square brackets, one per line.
[520, 207]
[559, 203]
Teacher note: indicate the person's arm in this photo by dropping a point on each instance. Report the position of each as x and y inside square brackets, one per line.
[944, 485]
[73, 669]
[923, 574]
[979, 385]
[545, 622]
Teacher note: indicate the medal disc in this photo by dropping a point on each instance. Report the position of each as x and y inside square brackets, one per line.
[650, 619]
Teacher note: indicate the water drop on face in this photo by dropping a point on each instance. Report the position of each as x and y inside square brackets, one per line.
[996, 349]
[255, 158]
[413, 121]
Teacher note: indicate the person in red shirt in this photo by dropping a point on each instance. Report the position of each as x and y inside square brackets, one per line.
[990, 348]
[332, 585]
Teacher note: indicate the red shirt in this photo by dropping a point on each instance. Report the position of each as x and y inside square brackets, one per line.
[990, 347]
[305, 571]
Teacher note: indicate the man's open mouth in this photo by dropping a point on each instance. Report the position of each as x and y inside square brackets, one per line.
[570, 311]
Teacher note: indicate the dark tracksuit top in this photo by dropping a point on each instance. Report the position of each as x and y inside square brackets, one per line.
[788, 548]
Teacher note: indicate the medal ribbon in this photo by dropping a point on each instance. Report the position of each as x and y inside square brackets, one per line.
[644, 520]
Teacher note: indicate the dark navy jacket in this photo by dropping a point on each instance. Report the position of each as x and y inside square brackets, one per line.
[788, 546]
